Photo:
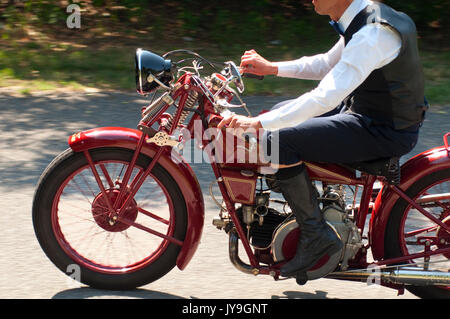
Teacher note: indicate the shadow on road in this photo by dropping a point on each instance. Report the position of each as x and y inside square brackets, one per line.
[85, 293]
[302, 295]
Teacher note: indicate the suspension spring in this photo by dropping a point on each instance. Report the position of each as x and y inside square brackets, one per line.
[156, 106]
[190, 102]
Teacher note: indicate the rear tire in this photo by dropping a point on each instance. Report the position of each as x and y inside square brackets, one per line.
[66, 247]
[395, 241]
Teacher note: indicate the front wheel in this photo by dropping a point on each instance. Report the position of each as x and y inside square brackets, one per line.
[75, 228]
[409, 232]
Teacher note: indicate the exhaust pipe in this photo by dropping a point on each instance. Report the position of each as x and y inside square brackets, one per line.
[418, 278]
[397, 276]
[403, 276]
[234, 254]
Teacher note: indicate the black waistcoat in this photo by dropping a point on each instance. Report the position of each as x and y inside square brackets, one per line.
[394, 94]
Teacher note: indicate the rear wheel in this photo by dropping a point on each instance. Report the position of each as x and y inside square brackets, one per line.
[75, 228]
[409, 232]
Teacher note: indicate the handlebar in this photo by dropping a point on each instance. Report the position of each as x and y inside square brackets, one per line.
[253, 76]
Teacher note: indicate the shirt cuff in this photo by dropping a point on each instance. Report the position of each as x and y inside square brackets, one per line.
[269, 120]
[286, 69]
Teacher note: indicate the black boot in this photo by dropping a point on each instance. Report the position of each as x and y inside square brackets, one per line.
[317, 238]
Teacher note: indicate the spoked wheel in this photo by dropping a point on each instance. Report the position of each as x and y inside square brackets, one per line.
[75, 225]
[409, 232]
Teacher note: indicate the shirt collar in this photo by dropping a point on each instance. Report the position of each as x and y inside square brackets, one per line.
[353, 9]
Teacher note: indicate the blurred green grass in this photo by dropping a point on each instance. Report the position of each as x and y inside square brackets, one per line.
[39, 53]
[37, 66]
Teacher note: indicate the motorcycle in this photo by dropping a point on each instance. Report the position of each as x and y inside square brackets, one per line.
[126, 207]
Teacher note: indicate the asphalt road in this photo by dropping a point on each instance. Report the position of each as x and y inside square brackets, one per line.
[34, 129]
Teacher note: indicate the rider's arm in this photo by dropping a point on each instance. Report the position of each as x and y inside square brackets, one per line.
[371, 48]
[312, 67]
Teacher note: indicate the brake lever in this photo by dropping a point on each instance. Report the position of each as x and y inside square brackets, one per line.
[224, 103]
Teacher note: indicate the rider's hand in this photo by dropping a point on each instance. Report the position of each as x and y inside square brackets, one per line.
[241, 123]
[252, 62]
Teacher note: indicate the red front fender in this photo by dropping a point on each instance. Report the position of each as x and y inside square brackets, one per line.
[413, 170]
[178, 169]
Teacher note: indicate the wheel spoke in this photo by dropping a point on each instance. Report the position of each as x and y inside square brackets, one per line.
[88, 185]
[425, 224]
[147, 213]
[151, 231]
[420, 208]
[419, 231]
[79, 189]
[106, 175]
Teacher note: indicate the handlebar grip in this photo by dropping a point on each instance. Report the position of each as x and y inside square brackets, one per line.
[253, 76]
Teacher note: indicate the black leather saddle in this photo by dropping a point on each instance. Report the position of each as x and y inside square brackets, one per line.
[386, 167]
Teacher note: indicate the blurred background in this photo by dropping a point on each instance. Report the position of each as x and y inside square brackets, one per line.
[38, 51]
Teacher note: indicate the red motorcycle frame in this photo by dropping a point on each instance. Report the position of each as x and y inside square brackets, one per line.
[237, 182]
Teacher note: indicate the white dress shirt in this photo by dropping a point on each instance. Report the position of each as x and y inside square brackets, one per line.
[341, 70]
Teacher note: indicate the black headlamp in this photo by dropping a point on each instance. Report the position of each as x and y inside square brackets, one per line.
[152, 71]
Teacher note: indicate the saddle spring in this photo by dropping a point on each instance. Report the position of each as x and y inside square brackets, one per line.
[394, 175]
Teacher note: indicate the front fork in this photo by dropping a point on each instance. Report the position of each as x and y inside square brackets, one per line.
[127, 192]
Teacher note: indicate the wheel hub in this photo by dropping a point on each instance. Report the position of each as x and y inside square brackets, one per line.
[109, 222]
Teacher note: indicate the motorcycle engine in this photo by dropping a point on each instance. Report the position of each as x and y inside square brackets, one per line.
[260, 221]
[268, 228]
[285, 239]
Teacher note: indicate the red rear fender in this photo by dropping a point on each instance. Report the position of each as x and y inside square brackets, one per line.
[181, 172]
[413, 170]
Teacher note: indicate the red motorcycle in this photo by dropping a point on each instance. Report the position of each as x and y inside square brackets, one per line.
[125, 207]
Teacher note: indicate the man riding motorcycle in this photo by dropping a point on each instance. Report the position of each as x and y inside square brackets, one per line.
[368, 105]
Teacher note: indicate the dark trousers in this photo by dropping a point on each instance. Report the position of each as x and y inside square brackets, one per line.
[339, 136]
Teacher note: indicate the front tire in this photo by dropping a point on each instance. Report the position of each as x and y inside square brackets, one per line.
[72, 227]
[405, 224]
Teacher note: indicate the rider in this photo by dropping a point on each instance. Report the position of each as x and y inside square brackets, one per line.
[369, 105]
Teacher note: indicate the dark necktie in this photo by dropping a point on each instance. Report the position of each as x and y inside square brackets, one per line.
[336, 27]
